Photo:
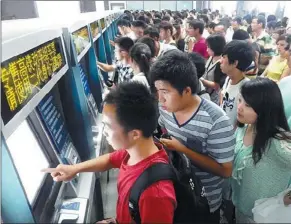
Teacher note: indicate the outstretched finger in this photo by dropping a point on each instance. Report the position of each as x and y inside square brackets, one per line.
[49, 170]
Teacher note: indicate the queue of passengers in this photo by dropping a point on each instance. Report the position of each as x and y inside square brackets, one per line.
[224, 98]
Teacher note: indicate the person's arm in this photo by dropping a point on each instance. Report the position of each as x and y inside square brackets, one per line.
[286, 72]
[210, 84]
[265, 72]
[102, 163]
[190, 45]
[67, 172]
[220, 147]
[106, 67]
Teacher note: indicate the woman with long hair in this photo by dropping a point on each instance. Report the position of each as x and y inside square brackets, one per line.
[262, 163]
[141, 56]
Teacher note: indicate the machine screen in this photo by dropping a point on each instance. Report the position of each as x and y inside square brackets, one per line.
[28, 158]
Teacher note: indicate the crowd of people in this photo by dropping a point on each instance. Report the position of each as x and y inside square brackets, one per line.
[218, 86]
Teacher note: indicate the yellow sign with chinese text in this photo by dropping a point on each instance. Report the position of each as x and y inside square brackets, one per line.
[24, 75]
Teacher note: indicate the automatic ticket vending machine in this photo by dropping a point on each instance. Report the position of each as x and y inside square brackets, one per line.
[34, 132]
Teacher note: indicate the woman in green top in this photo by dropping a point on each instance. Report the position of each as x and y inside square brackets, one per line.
[262, 163]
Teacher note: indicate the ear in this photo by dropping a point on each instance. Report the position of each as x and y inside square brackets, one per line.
[187, 91]
[235, 63]
[135, 134]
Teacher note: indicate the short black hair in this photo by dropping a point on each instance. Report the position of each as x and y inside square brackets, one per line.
[238, 20]
[166, 26]
[124, 43]
[176, 68]
[211, 25]
[135, 107]
[195, 24]
[261, 20]
[248, 18]
[199, 63]
[271, 18]
[240, 34]
[166, 18]
[157, 21]
[284, 21]
[204, 18]
[272, 24]
[141, 17]
[158, 15]
[150, 42]
[123, 22]
[240, 51]
[216, 42]
[139, 23]
[152, 32]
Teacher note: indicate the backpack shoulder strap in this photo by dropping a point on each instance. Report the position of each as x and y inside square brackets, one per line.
[154, 173]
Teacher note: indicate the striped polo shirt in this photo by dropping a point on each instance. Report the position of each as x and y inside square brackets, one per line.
[209, 132]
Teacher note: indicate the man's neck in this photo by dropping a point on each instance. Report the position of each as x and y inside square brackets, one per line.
[190, 106]
[198, 37]
[127, 31]
[168, 40]
[126, 60]
[141, 150]
[259, 32]
[236, 76]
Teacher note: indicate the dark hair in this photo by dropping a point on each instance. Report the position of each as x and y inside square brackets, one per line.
[261, 20]
[152, 32]
[240, 34]
[240, 51]
[199, 63]
[126, 16]
[157, 15]
[272, 24]
[216, 43]
[157, 21]
[248, 18]
[264, 96]
[141, 54]
[150, 42]
[238, 20]
[176, 68]
[166, 26]
[285, 37]
[284, 21]
[221, 24]
[271, 18]
[212, 25]
[141, 17]
[135, 107]
[166, 18]
[204, 18]
[195, 24]
[139, 23]
[123, 22]
[262, 14]
[125, 43]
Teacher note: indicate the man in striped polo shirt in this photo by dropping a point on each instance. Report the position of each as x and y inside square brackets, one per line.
[198, 128]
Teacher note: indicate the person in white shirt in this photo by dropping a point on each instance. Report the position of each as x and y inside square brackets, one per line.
[124, 29]
[236, 24]
[140, 55]
[236, 58]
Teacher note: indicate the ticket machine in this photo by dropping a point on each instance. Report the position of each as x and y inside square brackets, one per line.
[34, 133]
